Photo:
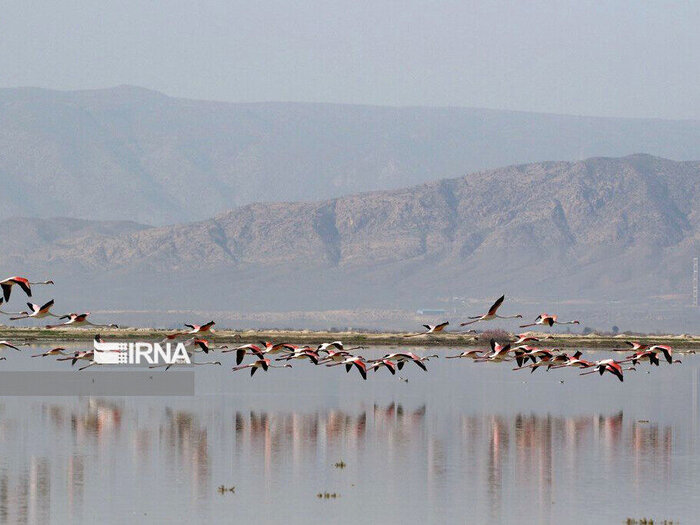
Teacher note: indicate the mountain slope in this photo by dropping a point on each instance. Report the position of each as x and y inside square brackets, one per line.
[613, 229]
[132, 153]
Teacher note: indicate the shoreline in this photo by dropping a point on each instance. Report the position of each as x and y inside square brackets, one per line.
[38, 335]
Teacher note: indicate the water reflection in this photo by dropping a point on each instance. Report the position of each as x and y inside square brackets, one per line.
[59, 454]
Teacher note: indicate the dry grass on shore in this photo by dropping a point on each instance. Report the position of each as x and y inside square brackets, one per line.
[38, 335]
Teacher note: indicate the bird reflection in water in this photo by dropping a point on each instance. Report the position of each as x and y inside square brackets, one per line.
[58, 448]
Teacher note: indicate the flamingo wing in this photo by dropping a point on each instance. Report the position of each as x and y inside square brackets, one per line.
[24, 286]
[46, 306]
[494, 308]
[666, 350]
[420, 364]
[616, 370]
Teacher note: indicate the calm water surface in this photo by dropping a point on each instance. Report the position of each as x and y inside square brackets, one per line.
[464, 442]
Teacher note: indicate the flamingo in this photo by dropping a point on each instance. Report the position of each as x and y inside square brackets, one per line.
[558, 358]
[545, 360]
[643, 355]
[549, 320]
[23, 283]
[396, 356]
[302, 353]
[607, 365]
[431, 329]
[91, 363]
[336, 356]
[524, 338]
[418, 360]
[547, 357]
[634, 346]
[491, 314]
[664, 349]
[523, 353]
[469, 354]
[403, 357]
[9, 345]
[202, 344]
[323, 347]
[198, 329]
[79, 320]
[272, 349]
[576, 362]
[36, 311]
[498, 352]
[83, 355]
[193, 363]
[356, 361]
[241, 351]
[54, 351]
[376, 363]
[260, 363]
[88, 355]
[169, 338]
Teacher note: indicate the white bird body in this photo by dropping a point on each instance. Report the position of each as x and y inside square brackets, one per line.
[22, 282]
[491, 314]
[75, 319]
[36, 311]
[547, 320]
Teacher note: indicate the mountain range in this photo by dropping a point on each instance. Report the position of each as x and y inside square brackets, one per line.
[603, 237]
[131, 153]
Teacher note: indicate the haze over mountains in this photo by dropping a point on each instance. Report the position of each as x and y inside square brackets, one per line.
[615, 231]
[130, 153]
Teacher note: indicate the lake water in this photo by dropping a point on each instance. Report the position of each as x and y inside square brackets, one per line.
[463, 443]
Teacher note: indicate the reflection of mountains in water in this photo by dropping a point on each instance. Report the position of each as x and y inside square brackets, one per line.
[489, 448]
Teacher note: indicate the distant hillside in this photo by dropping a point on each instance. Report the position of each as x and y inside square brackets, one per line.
[590, 234]
[132, 153]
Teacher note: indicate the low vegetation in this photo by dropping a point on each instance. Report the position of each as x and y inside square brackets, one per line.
[39, 335]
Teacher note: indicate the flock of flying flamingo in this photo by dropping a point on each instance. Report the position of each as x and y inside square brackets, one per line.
[267, 354]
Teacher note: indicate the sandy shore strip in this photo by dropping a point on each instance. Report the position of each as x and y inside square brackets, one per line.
[38, 335]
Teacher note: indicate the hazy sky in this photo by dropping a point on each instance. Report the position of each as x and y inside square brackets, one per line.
[611, 58]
